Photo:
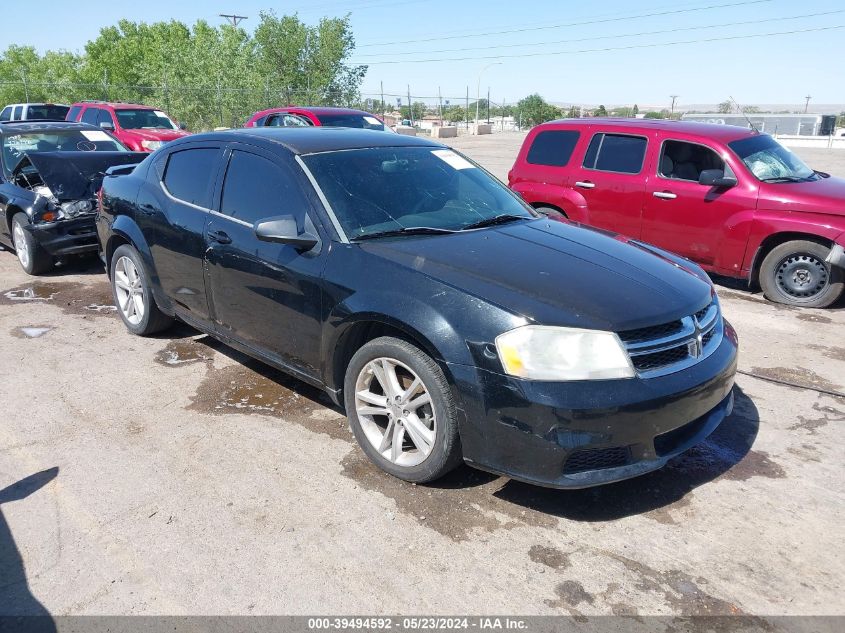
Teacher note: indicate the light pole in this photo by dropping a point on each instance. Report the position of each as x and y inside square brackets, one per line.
[673, 97]
[478, 87]
[807, 103]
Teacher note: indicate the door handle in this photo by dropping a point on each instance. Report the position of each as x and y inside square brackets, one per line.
[220, 237]
[665, 195]
[585, 184]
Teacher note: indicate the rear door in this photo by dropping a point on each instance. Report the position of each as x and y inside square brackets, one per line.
[263, 294]
[612, 180]
[172, 214]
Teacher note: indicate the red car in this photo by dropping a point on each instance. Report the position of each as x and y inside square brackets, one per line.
[295, 116]
[141, 128]
[731, 199]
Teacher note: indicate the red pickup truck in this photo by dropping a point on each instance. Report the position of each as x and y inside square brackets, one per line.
[141, 128]
[731, 199]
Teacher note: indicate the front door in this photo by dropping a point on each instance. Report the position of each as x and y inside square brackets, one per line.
[265, 295]
[709, 225]
[612, 180]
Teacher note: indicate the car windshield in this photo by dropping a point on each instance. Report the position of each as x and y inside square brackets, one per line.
[410, 189]
[363, 121]
[770, 161]
[46, 111]
[136, 119]
[16, 145]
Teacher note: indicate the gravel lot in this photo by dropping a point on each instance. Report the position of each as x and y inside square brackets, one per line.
[172, 475]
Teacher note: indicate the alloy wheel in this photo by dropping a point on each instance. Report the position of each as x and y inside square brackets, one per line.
[395, 411]
[128, 290]
[21, 246]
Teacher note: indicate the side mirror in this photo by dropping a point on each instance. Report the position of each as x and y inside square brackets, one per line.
[107, 125]
[716, 178]
[283, 230]
[182, 126]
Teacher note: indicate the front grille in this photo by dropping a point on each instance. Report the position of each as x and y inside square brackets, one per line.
[596, 459]
[672, 346]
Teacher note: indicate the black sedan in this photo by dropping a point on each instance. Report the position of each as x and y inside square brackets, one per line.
[451, 320]
[49, 176]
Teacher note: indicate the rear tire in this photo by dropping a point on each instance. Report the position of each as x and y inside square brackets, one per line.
[409, 430]
[133, 294]
[795, 273]
[31, 255]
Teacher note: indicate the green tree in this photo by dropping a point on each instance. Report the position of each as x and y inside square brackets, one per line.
[600, 111]
[654, 115]
[418, 107]
[726, 107]
[636, 110]
[533, 110]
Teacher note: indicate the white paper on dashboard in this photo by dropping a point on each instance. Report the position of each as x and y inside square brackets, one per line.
[450, 157]
[95, 135]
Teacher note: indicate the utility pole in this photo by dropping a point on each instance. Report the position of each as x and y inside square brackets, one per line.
[381, 85]
[467, 110]
[807, 103]
[25, 84]
[410, 106]
[488, 104]
[234, 20]
[673, 97]
[440, 103]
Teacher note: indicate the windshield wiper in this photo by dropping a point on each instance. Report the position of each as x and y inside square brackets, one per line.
[496, 219]
[786, 179]
[406, 230]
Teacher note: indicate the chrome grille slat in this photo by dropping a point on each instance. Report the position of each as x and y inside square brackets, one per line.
[692, 339]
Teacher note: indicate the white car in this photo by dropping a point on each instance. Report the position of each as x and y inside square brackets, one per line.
[34, 112]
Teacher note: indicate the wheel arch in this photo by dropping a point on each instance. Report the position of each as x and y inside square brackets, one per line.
[772, 241]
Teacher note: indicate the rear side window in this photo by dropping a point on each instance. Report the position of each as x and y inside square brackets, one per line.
[73, 113]
[256, 188]
[6, 114]
[18, 113]
[616, 152]
[188, 174]
[553, 148]
[90, 115]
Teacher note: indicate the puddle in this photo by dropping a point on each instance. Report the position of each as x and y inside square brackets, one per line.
[811, 425]
[570, 593]
[72, 297]
[549, 556]
[814, 318]
[797, 375]
[462, 502]
[31, 331]
[184, 352]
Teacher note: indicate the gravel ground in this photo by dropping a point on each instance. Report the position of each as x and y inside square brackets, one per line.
[172, 475]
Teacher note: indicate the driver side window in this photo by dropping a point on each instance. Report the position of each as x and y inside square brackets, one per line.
[680, 160]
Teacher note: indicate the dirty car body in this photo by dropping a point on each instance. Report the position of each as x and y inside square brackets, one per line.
[51, 172]
[467, 295]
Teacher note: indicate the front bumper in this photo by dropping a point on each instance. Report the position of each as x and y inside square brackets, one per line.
[586, 433]
[66, 237]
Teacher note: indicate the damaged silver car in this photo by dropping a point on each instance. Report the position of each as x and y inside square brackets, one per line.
[50, 173]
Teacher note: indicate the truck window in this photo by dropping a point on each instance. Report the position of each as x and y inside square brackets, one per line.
[90, 115]
[552, 148]
[73, 113]
[6, 114]
[685, 161]
[619, 153]
[18, 115]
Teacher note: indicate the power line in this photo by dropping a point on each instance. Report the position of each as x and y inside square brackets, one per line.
[612, 37]
[568, 24]
[598, 50]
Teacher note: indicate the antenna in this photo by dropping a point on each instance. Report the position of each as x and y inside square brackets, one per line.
[234, 20]
[742, 112]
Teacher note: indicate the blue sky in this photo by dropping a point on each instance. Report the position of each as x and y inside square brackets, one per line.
[535, 43]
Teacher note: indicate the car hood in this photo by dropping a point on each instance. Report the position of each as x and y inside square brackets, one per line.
[826, 195]
[76, 175]
[155, 135]
[556, 273]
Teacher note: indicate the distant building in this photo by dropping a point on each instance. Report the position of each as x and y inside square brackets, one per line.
[789, 124]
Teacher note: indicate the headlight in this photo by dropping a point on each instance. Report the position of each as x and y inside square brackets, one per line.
[72, 209]
[540, 352]
[151, 146]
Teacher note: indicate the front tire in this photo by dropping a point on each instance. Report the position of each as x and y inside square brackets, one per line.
[133, 294]
[31, 255]
[402, 411]
[795, 273]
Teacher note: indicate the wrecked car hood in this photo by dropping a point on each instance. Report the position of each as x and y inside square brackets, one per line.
[76, 175]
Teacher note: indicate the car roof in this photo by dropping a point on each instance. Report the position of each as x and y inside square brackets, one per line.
[316, 110]
[311, 140]
[716, 131]
[20, 127]
[116, 105]
[35, 103]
